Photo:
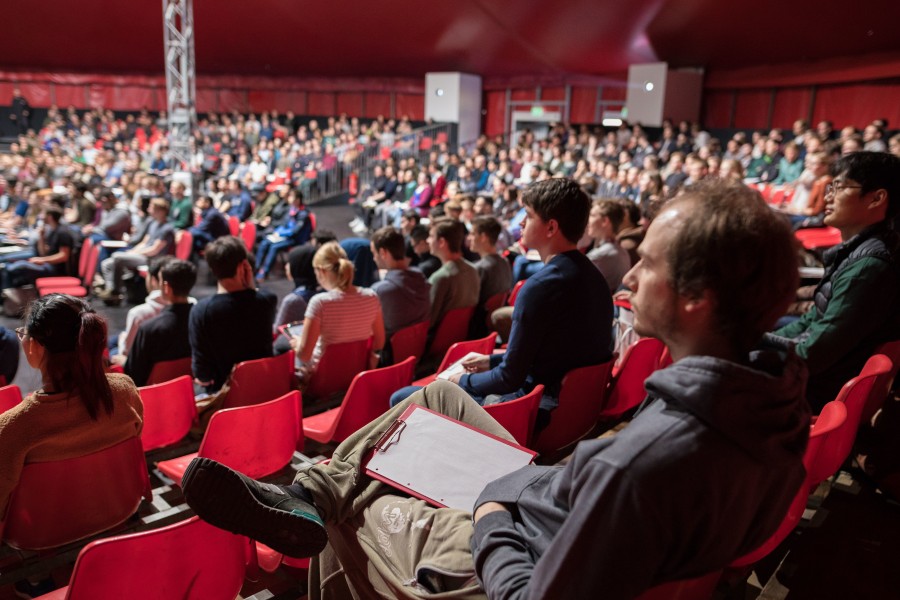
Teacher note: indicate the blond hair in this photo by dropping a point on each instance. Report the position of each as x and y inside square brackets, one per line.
[332, 258]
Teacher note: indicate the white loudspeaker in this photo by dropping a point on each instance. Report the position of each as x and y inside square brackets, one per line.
[455, 98]
[656, 92]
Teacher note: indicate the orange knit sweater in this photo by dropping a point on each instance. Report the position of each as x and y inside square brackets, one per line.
[44, 428]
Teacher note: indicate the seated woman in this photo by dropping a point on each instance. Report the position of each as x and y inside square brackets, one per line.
[80, 409]
[293, 231]
[608, 256]
[342, 313]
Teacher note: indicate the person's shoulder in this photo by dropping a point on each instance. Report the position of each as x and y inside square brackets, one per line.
[119, 383]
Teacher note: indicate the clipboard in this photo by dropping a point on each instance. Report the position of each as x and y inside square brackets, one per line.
[440, 460]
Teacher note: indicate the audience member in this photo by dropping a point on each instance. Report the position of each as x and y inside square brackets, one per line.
[425, 261]
[456, 284]
[404, 293]
[53, 253]
[608, 256]
[212, 225]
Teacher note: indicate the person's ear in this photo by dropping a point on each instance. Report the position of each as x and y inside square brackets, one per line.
[879, 199]
[697, 306]
[552, 227]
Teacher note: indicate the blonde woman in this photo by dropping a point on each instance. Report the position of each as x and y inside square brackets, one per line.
[342, 313]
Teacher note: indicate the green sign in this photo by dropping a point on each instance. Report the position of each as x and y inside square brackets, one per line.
[537, 111]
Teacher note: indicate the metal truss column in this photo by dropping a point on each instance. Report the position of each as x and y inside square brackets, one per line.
[181, 91]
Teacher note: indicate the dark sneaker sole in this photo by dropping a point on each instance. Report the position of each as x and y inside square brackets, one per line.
[222, 498]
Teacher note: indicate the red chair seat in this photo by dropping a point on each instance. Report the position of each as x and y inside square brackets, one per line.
[454, 327]
[518, 416]
[484, 345]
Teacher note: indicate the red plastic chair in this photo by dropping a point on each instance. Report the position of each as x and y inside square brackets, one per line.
[60, 502]
[248, 234]
[517, 416]
[184, 243]
[256, 381]
[67, 281]
[627, 387]
[339, 364]
[580, 405]
[313, 222]
[10, 396]
[666, 359]
[190, 559]
[454, 327]
[255, 440]
[884, 383]
[484, 345]
[234, 226]
[493, 303]
[169, 412]
[409, 341]
[863, 389]
[511, 301]
[167, 370]
[699, 588]
[366, 400]
[819, 237]
[80, 288]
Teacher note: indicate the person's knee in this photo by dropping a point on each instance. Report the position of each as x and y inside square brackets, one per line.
[444, 397]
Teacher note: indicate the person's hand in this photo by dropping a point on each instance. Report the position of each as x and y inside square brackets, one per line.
[476, 363]
[295, 343]
[455, 378]
[487, 508]
[36, 260]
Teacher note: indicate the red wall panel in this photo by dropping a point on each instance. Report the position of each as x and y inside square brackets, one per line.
[553, 93]
[717, 109]
[230, 99]
[494, 105]
[101, 96]
[37, 94]
[321, 104]
[207, 100]
[858, 104]
[615, 92]
[519, 95]
[350, 103]
[132, 97]
[790, 104]
[410, 105]
[261, 100]
[752, 108]
[377, 104]
[70, 95]
[583, 105]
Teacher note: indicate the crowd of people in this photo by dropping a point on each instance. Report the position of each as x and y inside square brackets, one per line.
[669, 226]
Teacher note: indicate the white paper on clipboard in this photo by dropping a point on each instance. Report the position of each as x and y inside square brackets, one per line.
[444, 461]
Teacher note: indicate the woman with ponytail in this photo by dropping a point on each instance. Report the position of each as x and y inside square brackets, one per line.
[342, 313]
[80, 409]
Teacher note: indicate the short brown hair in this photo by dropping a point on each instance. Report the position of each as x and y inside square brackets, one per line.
[225, 255]
[390, 239]
[487, 225]
[613, 210]
[562, 200]
[451, 230]
[735, 246]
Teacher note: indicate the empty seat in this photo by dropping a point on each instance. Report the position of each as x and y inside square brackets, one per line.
[339, 364]
[167, 370]
[409, 341]
[454, 327]
[518, 416]
[169, 412]
[627, 387]
[184, 243]
[260, 380]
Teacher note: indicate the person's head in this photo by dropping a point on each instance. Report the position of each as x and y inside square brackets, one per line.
[605, 219]
[408, 220]
[53, 215]
[556, 209]
[894, 144]
[453, 208]
[177, 189]
[445, 238]
[865, 191]
[484, 235]
[388, 248]
[153, 269]
[159, 209]
[299, 266]
[333, 269]
[227, 260]
[65, 339]
[204, 202]
[418, 235]
[791, 151]
[717, 269]
[322, 236]
[177, 277]
[732, 170]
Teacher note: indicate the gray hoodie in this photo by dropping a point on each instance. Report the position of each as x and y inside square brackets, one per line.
[703, 475]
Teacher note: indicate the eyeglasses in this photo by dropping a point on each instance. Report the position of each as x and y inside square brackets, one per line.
[833, 188]
[21, 332]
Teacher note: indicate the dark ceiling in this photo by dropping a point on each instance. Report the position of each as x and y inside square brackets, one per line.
[407, 38]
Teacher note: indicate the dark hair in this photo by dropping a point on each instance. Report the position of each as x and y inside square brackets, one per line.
[55, 212]
[323, 236]
[225, 255]
[451, 230]
[613, 210]
[302, 272]
[74, 336]
[418, 233]
[156, 265]
[732, 244]
[487, 225]
[410, 214]
[181, 275]
[390, 239]
[563, 201]
[873, 171]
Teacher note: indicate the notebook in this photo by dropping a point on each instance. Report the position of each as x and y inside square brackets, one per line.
[441, 460]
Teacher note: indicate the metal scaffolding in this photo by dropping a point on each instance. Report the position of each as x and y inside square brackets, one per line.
[181, 91]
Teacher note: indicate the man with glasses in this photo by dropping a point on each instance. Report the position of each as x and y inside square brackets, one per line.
[855, 307]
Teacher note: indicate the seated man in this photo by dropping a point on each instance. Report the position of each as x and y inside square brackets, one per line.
[53, 250]
[456, 283]
[120, 343]
[212, 225]
[424, 260]
[855, 303]
[702, 475]
[233, 325]
[493, 270]
[164, 337]
[158, 240]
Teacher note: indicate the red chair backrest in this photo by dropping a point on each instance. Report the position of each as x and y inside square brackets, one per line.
[793, 516]
[699, 588]
[169, 412]
[190, 559]
[184, 242]
[454, 327]
[861, 390]
[59, 502]
[312, 222]
[517, 416]
[255, 440]
[484, 345]
[10, 396]
[666, 359]
[260, 380]
[86, 247]
[167, 370]
[369, 396]
[817, 461]
[409, 341]
[248, 234]
[627, 389]
[819, 237]
[234, 225]
[580, 403]
[91, 268]
[884, 383]
[339, 364]
[511, 301]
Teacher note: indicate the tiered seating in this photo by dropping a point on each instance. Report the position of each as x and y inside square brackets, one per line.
[410, 341]
[74, 286]
[455, 352]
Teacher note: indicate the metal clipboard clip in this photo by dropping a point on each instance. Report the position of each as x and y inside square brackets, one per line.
[391, 436]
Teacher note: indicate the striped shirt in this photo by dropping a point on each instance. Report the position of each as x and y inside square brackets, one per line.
[343, 317]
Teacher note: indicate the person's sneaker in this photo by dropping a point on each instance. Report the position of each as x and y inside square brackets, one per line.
[26, 589]
[109, 297]
[264, 512]
[355, 223]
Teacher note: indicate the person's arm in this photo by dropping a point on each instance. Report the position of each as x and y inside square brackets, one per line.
[306, 343]
[378, 335]
[54, 259]
[863, 299]
[201, 364]
[137, 365]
